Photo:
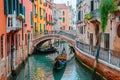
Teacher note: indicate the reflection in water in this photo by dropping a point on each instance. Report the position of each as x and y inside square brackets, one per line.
[40, 67]
[58, 74]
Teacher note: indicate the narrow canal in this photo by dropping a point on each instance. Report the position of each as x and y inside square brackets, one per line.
[40, 67]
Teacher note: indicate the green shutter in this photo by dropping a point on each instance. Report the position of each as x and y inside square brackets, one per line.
[44, 28]
[31, 20]
[40, 27]
[6, 7]
[18, 7]
[10, 6]
[35, 26]
[14, 5]
[21, 8]
[32, 0]
[24, 13]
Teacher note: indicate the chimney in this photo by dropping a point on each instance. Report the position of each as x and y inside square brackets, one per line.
[67, 3]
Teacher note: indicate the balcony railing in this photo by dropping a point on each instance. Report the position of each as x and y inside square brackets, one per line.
[13, 24]
[95, 13]
[105, 55]
[79, 3]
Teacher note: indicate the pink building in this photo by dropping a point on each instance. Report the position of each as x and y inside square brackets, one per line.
[64, 15]
[19, 32]
[49, 27]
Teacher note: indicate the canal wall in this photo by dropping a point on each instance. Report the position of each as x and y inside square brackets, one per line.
[108, 71]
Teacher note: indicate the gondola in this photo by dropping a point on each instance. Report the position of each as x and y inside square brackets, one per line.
[60, 62]
[47, 50]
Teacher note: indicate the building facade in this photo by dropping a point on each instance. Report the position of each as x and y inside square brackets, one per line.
[49, 19]
[3, 44]
[56, 18]
[19, 32]
[65, 16]
[39, 16]
[88, 26]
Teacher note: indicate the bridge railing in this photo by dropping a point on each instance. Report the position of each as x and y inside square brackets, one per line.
[108, 56]
[69, 34]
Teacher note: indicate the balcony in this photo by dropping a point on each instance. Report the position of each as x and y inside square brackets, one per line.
[95, 13]
[13, 23]
[79, 3]
[44, 4]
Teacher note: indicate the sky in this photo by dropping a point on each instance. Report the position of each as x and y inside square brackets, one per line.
[72, 2]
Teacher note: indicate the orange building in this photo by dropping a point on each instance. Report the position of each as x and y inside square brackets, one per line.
[49, 26]
[2, 41]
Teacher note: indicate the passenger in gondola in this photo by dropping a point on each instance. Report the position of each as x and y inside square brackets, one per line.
[63, 51]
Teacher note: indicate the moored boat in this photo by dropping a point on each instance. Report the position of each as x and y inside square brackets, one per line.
[47, 50]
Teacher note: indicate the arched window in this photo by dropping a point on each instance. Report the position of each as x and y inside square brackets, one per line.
[118, 31]
[2, 45]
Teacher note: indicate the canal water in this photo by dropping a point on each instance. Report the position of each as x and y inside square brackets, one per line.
[40, 67]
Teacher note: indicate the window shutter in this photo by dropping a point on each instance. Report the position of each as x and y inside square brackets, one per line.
[18, 7]
[21, 10]
[32, 0]
[31, 18]
[24, 12]
[6, 7]
[14, 5]
[35, 26]
[10, 6]
[92, 5]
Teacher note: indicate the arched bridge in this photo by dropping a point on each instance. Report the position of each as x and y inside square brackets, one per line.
[62, 35]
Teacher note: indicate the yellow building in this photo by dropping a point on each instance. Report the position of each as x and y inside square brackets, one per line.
[39, 16]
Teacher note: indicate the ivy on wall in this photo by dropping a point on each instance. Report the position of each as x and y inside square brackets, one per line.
[106, 7]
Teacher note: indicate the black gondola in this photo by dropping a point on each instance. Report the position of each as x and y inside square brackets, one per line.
[60, 62]
[47, 50]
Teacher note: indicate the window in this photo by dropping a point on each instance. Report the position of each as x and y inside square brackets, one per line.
[31, 18]
[92, 5]
[31, 36]
[34, 9]
[18, 39]
[40, 1]
[44, 28]
[40, 12]
[46, 17]
[79, 15]
[97, 4]
[35, 26]
[63, 19]
[40, 27]
[118, 31]
[2, 45]
[63, 13]
[81, 30]
[49, 17]
[106, 41]
[25, 39]
[24, 13]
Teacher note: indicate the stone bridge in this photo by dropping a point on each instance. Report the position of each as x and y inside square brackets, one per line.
[70, 38]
